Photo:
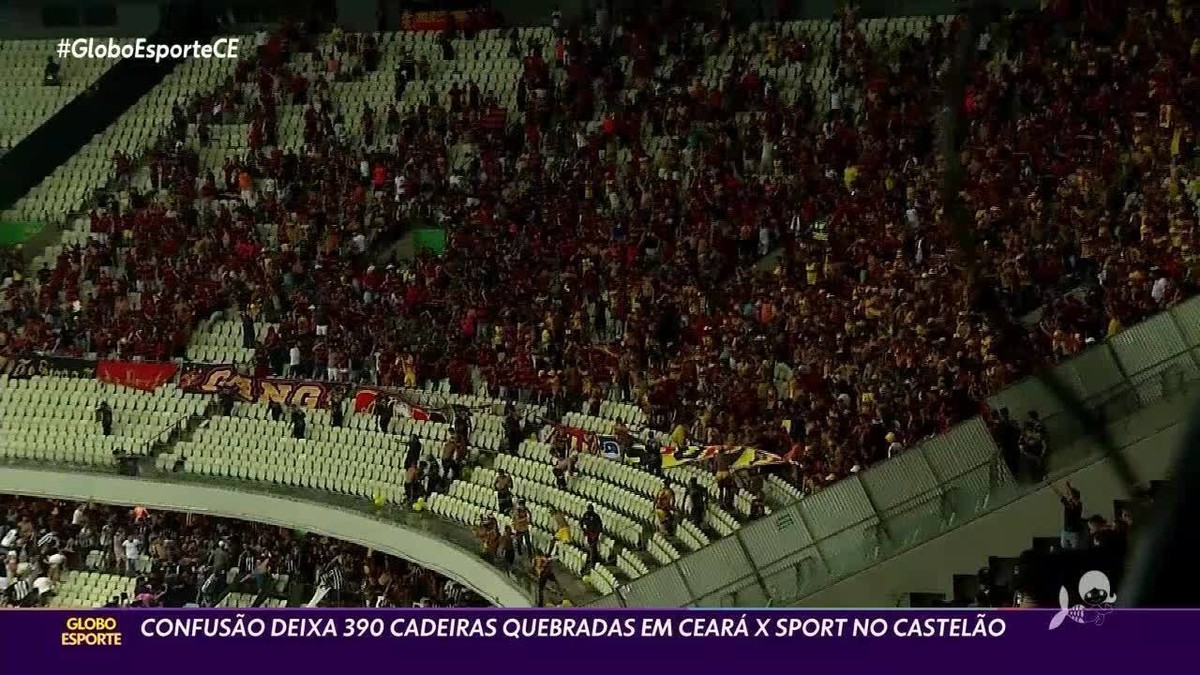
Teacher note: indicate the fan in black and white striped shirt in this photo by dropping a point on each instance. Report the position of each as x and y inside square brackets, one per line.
[19, 591]
[290, 565]
[248, 560]
[334, 578]
[48, 541]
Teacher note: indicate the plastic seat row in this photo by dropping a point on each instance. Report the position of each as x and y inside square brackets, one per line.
[621, 527]
[315, 473]
[540, 513]
[84, 590]
[465, 512]
[241, 600]
[29, 103]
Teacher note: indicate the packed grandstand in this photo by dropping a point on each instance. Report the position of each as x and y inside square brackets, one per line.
[600, 292]
[91, 555]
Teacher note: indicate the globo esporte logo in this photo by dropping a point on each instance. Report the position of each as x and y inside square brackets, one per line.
[91, 631]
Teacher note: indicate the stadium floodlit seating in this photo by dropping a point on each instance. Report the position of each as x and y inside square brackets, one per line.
[222, 343]
[53, 419]
[85, 590]
[28, 103]
[63, 195]
[848, 307]
[356, 460]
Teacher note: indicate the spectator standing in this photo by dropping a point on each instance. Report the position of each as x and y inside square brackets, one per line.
[105, 417]
[227, 398]
[294, 361]
[132, 548]
[1107, 545]
[726, 487]
[664, 510]
[206, 595]
[383, 413]
[298, 423]
[412, 452]
[19, 592]
[758, 506]
[562, 467]
[503, 486]
[412, 478]
[431, 478]
[505, 552]
[697, 501]
[489, 535]
[450, 463]
[336, 412]
[652, 461]
[562, 528]
[512, 432]
[249, 339]
[544, 575]
[219, 558]
[520, 525]
[1008, 437]
[261, 574]
[1033, 453]
[1073, 528]
[592, 527]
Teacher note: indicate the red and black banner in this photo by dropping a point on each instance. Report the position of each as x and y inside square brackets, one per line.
[198, 379]
[135, 374]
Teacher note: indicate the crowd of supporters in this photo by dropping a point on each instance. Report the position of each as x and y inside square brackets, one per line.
[607, 241]
[183, 559]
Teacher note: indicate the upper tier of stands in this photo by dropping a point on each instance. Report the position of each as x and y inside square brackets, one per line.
[70, 189]
[27, 101]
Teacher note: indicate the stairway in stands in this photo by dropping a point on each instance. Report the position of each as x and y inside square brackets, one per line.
[1037, 574]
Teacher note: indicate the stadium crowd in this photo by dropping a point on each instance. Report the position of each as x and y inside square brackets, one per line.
[623, 258]
[182, 559]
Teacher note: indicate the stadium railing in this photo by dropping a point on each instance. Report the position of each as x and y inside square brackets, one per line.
[930, 489]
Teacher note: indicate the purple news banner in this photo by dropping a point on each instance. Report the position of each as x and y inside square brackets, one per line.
[489, 641]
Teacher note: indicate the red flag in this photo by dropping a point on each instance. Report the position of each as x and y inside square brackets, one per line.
[406, 410]
[364, 400]
[138, 375]
[580, 440]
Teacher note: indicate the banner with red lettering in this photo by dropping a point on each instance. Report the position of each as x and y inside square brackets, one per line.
[472, 19]
[205, 379]
[136, 374]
